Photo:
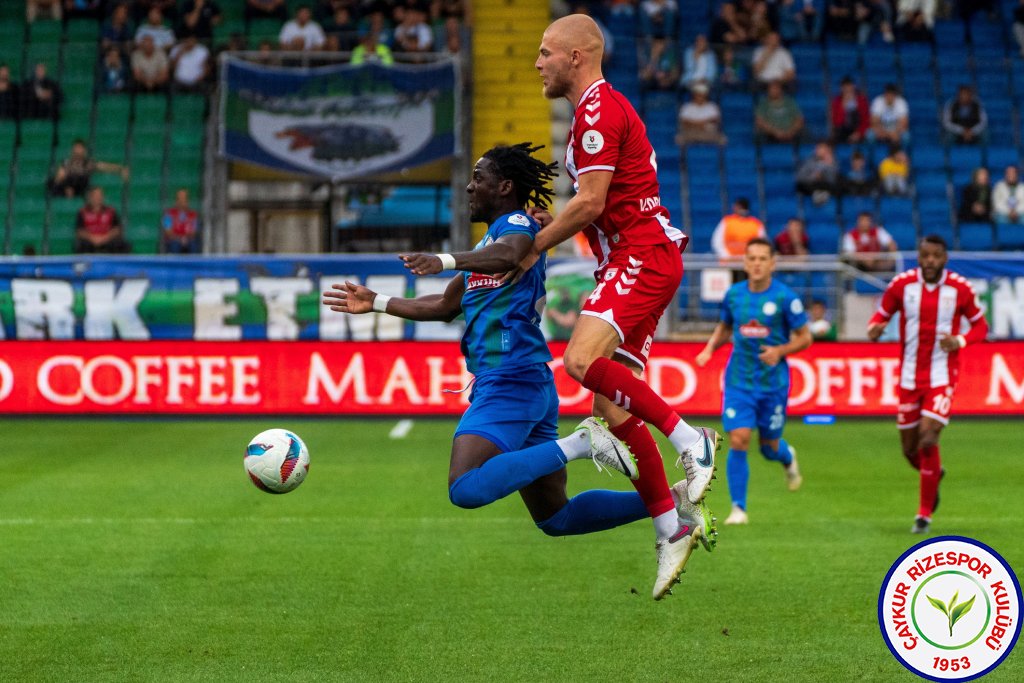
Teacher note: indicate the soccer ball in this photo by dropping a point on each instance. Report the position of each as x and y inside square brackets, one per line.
[276, 461]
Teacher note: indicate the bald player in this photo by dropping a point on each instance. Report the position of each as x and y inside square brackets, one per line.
[618, 206]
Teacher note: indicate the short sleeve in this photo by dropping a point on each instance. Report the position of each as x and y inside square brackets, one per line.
[796, 315]
[726, 315]
[515, 223]
[599, 134]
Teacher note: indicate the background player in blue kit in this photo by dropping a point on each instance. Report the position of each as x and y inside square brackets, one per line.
[767, 322]
[507, 440]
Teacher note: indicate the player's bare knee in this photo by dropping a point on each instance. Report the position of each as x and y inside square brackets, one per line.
[739, 442]
[577, 363]
[928, 438]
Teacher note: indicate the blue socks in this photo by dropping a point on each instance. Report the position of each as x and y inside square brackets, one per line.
[504, 474]
[784, 455]
[595, 510]
[738, 471]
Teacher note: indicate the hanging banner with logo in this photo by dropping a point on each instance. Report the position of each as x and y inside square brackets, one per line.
[342, 122]
[423, 378]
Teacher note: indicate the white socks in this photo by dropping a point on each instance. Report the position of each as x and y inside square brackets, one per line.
[576, 445]
[666, 524]
[683, 437]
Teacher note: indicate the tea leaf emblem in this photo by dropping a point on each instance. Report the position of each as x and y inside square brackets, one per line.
[953, 611]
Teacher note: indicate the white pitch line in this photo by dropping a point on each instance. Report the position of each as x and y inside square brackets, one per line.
[401, 429]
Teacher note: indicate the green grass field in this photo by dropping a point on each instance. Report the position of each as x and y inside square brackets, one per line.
[139, 551]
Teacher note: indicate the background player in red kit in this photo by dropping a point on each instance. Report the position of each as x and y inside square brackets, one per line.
[618, 205]
[932, 301]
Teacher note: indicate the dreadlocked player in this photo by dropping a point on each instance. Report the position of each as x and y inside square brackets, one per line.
[508, 438]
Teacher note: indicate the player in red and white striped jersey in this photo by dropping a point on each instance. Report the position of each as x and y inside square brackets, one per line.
[932, 302]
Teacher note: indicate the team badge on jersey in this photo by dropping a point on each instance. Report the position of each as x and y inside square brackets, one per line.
[769, 308]
[519, 219]
[593, 142]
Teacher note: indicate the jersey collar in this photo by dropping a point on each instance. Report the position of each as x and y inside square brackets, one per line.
[590, 88]
[932, 285]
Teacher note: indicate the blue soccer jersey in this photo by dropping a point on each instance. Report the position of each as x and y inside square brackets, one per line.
[760, 319]
[503, 321]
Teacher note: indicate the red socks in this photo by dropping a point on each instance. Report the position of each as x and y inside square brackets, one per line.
[931, 472]
[615, 382]
[652, 484]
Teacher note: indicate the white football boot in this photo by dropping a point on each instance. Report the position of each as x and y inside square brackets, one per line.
[737, 516]
[673, 552]
[606, 450]
[698, 515]
[699, 463]
[793, 478]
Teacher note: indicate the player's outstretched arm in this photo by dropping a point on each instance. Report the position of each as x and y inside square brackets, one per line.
[500, 256]
[722, 333]
[356, 299]
[579, 212]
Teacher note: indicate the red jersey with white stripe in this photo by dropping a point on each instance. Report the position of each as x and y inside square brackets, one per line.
[607, 135]
[930, 311]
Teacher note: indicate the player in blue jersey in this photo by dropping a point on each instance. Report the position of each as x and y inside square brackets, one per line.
[507, 440]
[767, 322]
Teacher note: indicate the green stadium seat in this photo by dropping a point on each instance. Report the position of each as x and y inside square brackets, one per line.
[45, 31]
[113, 108]
[150, 107]
[188, 107]
[47, 53]
[83, 30]
[35, 155]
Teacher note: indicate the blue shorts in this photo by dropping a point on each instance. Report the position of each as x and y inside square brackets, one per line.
[764, 410]
[512, 414]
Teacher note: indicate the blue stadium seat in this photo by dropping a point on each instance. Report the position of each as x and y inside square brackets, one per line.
[976, 237]
[825, 213]
[896, 209]
[778, 156]
[1010, 236]
[824, 237]
[998, 158]
[965, 156]
[853, 206]
[903, 232]
[928, 156]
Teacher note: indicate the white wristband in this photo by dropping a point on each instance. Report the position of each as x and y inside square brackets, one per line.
[447, 261]
[962, 340]
[380, 303]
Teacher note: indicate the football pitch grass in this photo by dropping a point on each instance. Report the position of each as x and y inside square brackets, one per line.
[139, 551]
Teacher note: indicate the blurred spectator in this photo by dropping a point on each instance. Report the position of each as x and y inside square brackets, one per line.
[801, 20]
[915, 20]
[967, 9]
[371, 50]
[659, 66]
[1018, 25]
[894, 172]
[34, 7]
[726, 28]
[658, 18]
[180, 226]
[729, 240]
[117, 31]
[1008, 198]
[964, 119]
[190, 62]
[822, 329]
[162, 35]
[621, 8]
[198, 17]
[842, 19]
[734, 72]
[73, 175]
[83, 9]
[777, 117]
[860, 179]
[151, 69]
[699, 64]
[8, 94]
[375, 20]
[302, 33]
[890, 118]
[113, 71]
[873, 15]
[39, 96]
[452, 13]
[793, 240]
[237, 42]
[141, 8]
[850, 117]
[265, 9]
[341, 29]
[866, 243]
[976, 199]
[818, 175]
[413, 34]
[98, 228]
[759, 25]
[700, 120]
[772, 62]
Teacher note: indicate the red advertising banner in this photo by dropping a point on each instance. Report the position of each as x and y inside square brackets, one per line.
[425, 378]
